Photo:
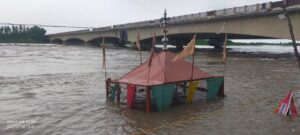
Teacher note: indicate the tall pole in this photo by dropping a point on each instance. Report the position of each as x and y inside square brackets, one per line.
[193, 59]
[104, 56]
[164, 24]
[148, 100]
[138, 44]
[225, 50]
[224, 53]
[104, 61]
[141, 61]
[291, 31]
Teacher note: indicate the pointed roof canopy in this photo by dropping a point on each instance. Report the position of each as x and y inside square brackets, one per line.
[163, 70]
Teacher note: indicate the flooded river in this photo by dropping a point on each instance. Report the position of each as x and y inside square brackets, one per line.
[59, 90]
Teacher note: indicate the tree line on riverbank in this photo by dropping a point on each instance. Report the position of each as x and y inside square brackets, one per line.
[22, 34]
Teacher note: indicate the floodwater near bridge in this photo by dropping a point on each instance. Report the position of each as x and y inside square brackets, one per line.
[59, 89]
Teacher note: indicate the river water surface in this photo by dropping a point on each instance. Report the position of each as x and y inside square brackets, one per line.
[59, 90]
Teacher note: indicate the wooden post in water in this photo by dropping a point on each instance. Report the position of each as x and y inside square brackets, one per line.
[148, 100]
[291, 32]
[107, 81]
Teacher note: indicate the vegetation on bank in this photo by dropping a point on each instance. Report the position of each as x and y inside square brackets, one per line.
[22, 34]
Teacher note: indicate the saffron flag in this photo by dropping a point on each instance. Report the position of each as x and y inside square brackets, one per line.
[224, 50]
[152, 48]
[187, 51]
[287, 106]
[154, 40]
[138, 44]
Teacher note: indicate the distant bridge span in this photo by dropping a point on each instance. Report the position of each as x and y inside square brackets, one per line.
[258, 21]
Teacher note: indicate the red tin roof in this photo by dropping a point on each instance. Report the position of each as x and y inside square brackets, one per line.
[162, 71]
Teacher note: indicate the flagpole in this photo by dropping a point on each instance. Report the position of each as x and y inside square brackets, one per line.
[104, 61]
[224, 53]
[151, 55]
[138, 45]
[291, 32]
[141, 61]
[193, 60]
[164, 24]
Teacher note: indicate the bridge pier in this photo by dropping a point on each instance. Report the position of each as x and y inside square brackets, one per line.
[179, 47]
[179, 42]
[216, 42]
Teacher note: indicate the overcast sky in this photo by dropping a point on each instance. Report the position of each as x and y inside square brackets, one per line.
[99, 13]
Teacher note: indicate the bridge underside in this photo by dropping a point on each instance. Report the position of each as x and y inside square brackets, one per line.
[182, 39]
[178, 40]
[74, 41]
[106, 40]
[215, 35]
[267, 26]
[57, 41]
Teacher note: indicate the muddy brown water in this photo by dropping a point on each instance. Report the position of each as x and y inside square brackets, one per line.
[59, 90]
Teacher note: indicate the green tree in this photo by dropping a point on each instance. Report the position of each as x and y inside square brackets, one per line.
[22, 34]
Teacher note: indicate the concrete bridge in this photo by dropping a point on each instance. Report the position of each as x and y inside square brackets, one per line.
[258, 21]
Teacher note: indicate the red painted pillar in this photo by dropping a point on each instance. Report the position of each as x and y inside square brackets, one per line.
[148, 100]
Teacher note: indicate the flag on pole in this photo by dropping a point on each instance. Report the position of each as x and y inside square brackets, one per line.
[152, 48]
[225, 50]
[153, 40]
[287, 106]
[138, 45]
[188, 50]
[103, 40]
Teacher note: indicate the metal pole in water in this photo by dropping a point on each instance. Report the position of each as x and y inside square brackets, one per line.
[291, 32]
[148, 100]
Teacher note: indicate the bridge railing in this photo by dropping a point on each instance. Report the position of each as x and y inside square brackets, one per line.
[236, 11]
[242, 10]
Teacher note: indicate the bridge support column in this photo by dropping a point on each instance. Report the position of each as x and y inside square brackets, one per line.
[179, 47]
[179, 42]
[217, 43]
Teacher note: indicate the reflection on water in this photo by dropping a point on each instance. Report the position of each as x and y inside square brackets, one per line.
[58, 89]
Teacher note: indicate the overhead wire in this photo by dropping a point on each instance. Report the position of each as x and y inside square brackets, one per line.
[145, 7]
[63, 26]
